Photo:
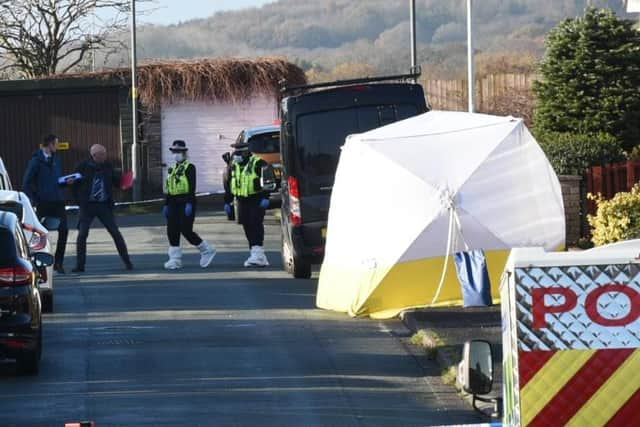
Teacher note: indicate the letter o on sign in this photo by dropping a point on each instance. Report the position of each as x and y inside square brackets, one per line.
[591, 305]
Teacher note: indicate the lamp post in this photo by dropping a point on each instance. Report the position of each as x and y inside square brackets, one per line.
[414, 54]
[470, 69]
[135, 162]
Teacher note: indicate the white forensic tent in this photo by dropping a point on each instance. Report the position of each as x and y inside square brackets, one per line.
[408, 194]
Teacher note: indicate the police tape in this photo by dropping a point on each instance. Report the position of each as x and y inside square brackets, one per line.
[146, 202]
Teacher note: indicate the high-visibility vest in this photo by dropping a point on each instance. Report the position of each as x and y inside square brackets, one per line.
[177, 181]
[243, 178]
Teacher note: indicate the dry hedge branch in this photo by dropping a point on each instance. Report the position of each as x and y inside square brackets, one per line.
[212, 80]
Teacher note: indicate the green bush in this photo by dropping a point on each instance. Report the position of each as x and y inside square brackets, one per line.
[590, 78]
[616, 219]
[634, 154]
[573, 153]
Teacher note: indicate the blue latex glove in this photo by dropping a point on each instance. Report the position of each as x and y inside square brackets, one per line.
[188, 209]
[264, 203]
[165, 211]
[228, 209]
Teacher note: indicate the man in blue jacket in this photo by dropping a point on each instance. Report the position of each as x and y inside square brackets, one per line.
[41, 184]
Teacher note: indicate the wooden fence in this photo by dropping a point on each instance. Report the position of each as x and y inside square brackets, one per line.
[452, 94]
[611, 179]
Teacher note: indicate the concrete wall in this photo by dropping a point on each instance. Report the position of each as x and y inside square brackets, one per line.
[152, 154]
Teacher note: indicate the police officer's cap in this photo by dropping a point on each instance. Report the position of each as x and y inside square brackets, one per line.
[240, 146]
[178, 146]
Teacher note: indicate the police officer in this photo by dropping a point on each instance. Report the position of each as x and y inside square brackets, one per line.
[252, 200]
[180, 209]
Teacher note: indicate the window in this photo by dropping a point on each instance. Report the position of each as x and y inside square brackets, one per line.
[7, 247]
[320, 135]
[265, 143]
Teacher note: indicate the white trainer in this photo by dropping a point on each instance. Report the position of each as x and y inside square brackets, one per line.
[207, 252]
[257, 258]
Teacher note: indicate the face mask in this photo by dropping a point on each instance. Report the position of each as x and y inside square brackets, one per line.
[238, 158]
[178, 157]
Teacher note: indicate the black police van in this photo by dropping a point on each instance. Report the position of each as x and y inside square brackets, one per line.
[315, 120]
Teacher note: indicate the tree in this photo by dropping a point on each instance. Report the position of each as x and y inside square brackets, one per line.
[44, 37]
[591, 78]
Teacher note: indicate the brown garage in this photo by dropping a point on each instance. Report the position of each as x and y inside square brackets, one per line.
[80, 112]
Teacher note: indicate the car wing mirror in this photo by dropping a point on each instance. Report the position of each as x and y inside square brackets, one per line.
[268, 180]
[43, 259]
[51, 223]
[475, 373]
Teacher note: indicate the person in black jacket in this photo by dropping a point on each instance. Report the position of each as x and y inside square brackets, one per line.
[180, 209]
[244, 184]
[42, 184]
[93, 193]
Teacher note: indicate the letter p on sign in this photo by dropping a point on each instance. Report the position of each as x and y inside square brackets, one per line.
[540, 308]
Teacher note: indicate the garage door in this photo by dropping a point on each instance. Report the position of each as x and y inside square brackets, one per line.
[209, 129]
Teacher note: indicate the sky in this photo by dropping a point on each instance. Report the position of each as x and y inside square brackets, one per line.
[174, 11]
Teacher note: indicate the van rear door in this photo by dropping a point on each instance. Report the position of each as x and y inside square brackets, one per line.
[319, 138]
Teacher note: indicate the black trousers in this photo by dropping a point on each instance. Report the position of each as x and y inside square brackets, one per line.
[179, 223]
[104, 212]
[251, 216]
[57, 210]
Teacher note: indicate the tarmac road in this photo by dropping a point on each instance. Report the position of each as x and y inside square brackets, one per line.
[222, 346]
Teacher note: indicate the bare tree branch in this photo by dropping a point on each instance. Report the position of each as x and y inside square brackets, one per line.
[44, 37]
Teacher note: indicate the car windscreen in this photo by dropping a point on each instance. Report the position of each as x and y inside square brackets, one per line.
[320, 135]
[7, 248]
[265, 143]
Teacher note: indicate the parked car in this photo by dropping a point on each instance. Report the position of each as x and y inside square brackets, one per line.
[20, 304]
[264, 142]
[316, 119]
[37, 235]
[5, 182]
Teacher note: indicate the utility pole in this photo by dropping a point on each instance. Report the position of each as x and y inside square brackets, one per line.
[470, 69]
[135, 161]
[414, 53]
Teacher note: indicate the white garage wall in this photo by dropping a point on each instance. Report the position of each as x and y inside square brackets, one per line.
[202, 125]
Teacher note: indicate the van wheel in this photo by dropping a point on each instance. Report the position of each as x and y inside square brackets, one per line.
[298, 267]
[47, 303]
[28, 363]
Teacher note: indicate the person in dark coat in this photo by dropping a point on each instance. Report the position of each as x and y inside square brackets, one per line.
[94, 195]
[43, 186]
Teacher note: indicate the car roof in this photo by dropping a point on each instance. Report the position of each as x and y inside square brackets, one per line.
[8, 220]
[13, 196]
[250, 132]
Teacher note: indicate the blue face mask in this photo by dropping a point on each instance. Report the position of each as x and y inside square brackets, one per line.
[178, 157]
[237, 158]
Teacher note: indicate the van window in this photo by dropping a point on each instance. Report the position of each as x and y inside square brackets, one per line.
[320, 135]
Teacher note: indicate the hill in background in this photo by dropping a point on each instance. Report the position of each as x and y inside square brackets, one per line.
[341, 38]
